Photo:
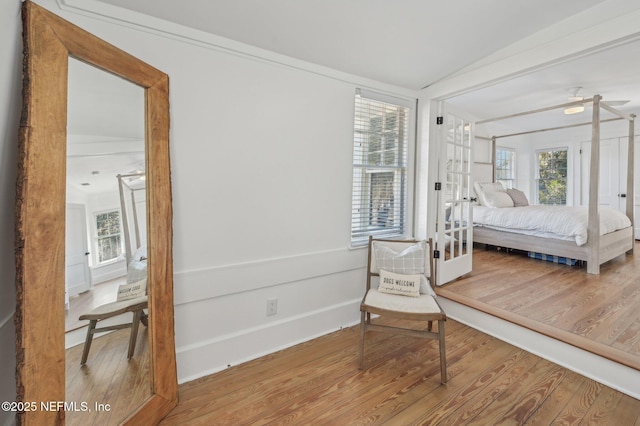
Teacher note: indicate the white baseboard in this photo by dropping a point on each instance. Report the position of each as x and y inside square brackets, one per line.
[205, 358]
[602, 370]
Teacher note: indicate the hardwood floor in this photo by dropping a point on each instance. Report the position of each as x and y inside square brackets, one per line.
[107, 378]
[318, 383]
[598, 313]
[84, 302]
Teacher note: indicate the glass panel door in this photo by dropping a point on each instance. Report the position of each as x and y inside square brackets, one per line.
[454, 224]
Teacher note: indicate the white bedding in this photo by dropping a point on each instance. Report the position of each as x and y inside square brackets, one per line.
[562, 222]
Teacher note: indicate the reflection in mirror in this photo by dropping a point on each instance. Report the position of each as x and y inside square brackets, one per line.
[106, 259]
[48, 42]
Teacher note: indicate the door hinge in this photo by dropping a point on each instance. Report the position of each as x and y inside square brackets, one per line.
[438, 186]
[436, 254]
[439, 120]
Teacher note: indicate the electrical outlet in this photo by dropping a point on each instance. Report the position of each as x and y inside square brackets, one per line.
[272, 306]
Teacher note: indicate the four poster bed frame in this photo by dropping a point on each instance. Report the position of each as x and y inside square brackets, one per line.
[599, 248]
[131, 244]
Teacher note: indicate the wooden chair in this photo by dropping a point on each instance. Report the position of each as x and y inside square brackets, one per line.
[402, 257]
[135, 306]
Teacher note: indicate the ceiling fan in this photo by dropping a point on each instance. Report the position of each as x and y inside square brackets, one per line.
[573, 97]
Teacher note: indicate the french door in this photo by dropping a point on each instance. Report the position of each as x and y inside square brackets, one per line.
[454, 225]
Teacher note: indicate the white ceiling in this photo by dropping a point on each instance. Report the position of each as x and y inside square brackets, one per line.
[409, 43]
[613, 74]
[105, 127]
[414, 44]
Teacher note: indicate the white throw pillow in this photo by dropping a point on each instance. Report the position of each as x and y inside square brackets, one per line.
[410, 260]
[496, 199]
[136, 271]
[132, 290]
[488, 187]
[481, 188]
[401, 284]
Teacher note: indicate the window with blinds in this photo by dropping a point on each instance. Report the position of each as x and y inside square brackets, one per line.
[379, 203]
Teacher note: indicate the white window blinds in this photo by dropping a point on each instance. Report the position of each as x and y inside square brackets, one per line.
[379, 203]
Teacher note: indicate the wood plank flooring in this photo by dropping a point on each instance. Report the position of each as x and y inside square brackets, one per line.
[599, 313]
[99, 294]
[108, 377]
[318, 383]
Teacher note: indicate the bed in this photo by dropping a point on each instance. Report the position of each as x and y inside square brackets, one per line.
[507, 220]
[601, 243]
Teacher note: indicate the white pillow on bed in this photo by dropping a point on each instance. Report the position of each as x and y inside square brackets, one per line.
[488, 187]
[496, 199]
[136, 271]
[481, 188]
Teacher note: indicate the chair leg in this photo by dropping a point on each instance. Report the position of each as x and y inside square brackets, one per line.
[87, 342]
[429, 325]
[134, 332]
[362, 333]
[443, 353]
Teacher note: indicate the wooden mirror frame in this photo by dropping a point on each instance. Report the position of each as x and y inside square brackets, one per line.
[40, 215]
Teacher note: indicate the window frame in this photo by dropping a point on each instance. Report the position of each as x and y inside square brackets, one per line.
[512, 168]
[537, 175]
[96, 229]
[362, 174]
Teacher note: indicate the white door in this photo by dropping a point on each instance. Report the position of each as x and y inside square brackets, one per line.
[454, 227]
[624, 144]
[610, 190]
[613, 175]
[78, 276]
[613, 172]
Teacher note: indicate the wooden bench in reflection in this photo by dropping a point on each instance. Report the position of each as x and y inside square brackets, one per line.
[109, 310]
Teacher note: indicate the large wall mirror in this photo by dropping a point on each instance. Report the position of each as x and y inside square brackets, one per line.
[93, 207]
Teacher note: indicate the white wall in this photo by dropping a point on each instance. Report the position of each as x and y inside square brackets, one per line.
[572, 139]
[261, 150]
[10, 107]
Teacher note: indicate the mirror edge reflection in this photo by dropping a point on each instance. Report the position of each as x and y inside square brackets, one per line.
[40, 202]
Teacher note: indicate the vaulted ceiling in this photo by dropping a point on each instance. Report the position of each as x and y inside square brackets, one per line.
[414, 44]
[408, 43]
